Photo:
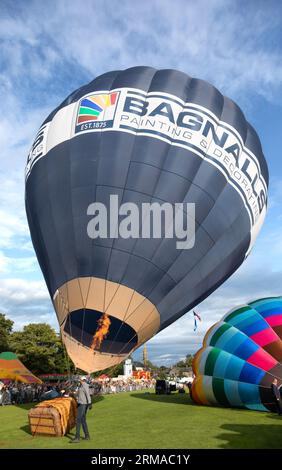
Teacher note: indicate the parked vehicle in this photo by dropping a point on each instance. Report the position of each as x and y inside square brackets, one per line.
[162, 387]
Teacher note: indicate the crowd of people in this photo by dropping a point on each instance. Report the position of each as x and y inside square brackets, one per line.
[19, 393]
[116, 386]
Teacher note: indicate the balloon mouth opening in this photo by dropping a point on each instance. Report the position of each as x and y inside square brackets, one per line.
[82, 325]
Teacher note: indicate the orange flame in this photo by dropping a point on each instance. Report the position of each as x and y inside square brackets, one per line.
[101, 332]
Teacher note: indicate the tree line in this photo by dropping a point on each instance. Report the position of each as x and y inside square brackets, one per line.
[42, 351]
[38, 346]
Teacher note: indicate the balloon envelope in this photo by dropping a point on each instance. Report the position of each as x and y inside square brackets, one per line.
[11, 368]
[144, 136]
[240, 357]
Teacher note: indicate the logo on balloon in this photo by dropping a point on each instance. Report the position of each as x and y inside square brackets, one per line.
[187, 125]
[164, 117]
[96, 111]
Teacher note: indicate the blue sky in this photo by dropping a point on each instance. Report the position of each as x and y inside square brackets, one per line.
[49, 48]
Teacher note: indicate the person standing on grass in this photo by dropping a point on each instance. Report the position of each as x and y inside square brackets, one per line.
[84, 403]
[276, 394]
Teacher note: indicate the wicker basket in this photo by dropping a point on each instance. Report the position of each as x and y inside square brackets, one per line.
[53, 417]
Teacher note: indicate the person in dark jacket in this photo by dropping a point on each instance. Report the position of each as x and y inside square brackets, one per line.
[277, 396]
[84, 403]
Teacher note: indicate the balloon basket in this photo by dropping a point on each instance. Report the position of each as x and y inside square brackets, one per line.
[53, 417]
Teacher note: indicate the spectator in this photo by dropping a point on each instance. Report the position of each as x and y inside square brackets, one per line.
[276, 395]
[84, 402]
[21, 393]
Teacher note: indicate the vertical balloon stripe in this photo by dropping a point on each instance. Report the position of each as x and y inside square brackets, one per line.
[263, 305]
[234, 368]
[264, 337]
[217, 334]
[272, 312]
[235, 314]
[207, 390]
[223, 341]
[246, 349]
[219, 392]
[274, 320]
[231, 389]
[245, 365]
[242, 319]
[238, 344]
[251, 374]
[221, 364]
[262, 359]
[211, 360]
[249, 393]
[249, 321]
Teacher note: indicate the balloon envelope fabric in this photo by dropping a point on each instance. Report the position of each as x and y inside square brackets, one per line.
[240, 357]
[11, 368]
[144, 136]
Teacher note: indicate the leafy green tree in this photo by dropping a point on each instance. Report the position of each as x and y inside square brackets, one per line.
[63, 362]
[189, 360]
[181, 364]
[113, 371]
[151, 366]
[162, 375]
[40, 349]
[6, 326]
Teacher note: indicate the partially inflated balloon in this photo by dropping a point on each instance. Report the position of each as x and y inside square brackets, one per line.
[240, 357]
[143, 136]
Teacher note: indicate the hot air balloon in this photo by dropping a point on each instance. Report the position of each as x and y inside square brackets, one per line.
[240, 357]
[144, 136]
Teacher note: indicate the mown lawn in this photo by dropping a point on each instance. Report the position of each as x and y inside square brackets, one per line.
[140, 420]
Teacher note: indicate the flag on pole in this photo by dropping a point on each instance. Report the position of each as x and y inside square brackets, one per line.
[196, 315]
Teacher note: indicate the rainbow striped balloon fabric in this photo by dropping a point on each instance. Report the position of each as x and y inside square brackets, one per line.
[240, 357]
[11, 368]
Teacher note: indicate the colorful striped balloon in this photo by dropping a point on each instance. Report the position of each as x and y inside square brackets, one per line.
[240, 357]
[11, 368]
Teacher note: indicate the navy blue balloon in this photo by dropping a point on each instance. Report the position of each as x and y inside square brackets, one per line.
[144, 135]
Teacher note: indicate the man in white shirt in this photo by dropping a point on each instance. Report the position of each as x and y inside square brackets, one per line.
[83, 404]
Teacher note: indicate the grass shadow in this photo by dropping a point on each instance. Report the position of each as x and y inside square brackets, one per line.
[97, 398]
[26, 429]
[25, 406]
[180, 399]
[275, 416]
[246, 436]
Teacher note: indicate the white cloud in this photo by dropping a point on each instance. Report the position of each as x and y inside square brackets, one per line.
[19, 290]
[17, 265]
[209, 38]
[4, 262]
[15, 242]
[191, 36]
[26, 302]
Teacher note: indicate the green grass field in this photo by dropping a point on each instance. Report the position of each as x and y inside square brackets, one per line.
[140, 420]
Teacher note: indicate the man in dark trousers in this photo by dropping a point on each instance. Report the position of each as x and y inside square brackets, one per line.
[276, 394]
[84, 403]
